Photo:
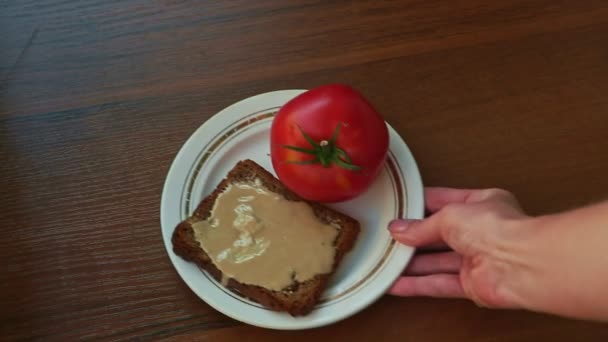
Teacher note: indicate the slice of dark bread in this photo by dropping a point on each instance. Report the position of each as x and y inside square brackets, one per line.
[297, 299]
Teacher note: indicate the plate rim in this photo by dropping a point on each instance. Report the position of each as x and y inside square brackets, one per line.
[412, 179]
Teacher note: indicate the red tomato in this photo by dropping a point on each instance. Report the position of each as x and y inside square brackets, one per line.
[328, 144]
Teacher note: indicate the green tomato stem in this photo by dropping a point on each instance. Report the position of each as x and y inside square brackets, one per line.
[326, 152]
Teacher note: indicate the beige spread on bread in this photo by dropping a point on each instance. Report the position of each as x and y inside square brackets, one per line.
[259, 238]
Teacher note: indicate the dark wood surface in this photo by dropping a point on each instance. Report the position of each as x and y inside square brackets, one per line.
[97, 96]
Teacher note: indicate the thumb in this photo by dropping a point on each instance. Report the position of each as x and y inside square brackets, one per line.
[451, 229]
[416, 233]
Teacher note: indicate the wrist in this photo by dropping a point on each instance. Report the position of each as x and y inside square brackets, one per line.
[514, 258]
[526, 280]
[558, 265]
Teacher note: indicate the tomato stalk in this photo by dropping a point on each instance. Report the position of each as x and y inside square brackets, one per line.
[325, 152]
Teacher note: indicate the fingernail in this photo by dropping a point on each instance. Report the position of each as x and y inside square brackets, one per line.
[398, 226]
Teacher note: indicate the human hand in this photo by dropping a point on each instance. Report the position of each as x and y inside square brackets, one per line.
[480, 227]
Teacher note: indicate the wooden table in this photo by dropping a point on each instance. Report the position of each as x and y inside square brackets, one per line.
[97, 96]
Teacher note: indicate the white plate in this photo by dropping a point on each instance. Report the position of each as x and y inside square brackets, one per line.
[242, 131]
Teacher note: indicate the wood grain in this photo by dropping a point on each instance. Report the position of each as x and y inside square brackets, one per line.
[96, 98]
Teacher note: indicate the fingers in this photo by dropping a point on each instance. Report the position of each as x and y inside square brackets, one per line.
[420, 280]
[437, 285]
[433, 263]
